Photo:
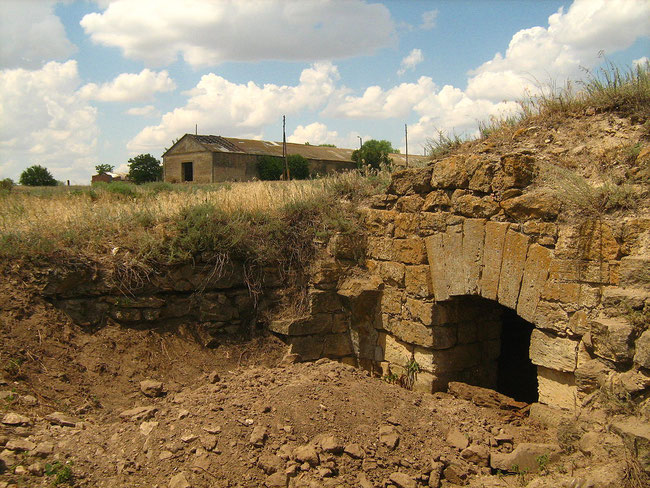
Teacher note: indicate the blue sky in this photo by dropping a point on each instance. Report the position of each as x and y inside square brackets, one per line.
[88, 82]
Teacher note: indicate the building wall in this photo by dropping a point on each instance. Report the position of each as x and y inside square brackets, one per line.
[318, 166]
[234, 167]
[202, 167]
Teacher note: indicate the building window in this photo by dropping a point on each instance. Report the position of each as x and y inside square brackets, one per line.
[188, 172]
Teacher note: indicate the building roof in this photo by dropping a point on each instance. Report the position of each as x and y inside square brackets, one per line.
[267, 148]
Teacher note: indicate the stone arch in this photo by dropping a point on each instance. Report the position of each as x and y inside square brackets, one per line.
[495, 261]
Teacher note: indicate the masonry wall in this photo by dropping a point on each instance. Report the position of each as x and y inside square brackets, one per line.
[202, 167]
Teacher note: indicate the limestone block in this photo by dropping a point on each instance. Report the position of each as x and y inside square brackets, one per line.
[410, 181]
[536, 204]
[323, 301]
[611, 339]
[586, 271]
[515, 249]
[437, 199]
[377, 221]
[591, 375]
[473, 240]
[410, 203]
[481, 180]
[457, 358]
[380, 248]
[596, 241]
[553, 352]
[424, 382]
[517, 171]
[432, 222]
[474, 206]
[406, 224]
[416, 333]
[410, 251]
[417, 280]
[579, 323]
[635, 272]
[435, 254]
[617, 300]
[391, 300]
[636, 436]
[317, 324]
[533, 280]
[556, 388]
[337, 345]
[642, 354]
[452, 243]
[419, 310]
[551, 316]
[309, 348]
[453, 172]
[395, 351]
[535, 227]
[495, 233]
[391, 273]
[524, 457]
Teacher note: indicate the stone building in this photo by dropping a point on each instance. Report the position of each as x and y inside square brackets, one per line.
[209, 159]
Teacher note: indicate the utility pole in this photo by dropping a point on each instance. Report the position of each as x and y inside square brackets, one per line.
[196, 129]
[284, 148]
[406, 136]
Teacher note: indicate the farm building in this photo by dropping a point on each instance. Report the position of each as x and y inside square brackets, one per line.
[209, 159]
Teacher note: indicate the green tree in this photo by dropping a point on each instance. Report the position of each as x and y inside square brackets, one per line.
[144, 168]
[270, 167]
[374, 153]
[298, 167]
[104, 168]
[37, 175]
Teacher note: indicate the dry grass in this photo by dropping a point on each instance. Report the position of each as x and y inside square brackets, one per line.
[144, 220]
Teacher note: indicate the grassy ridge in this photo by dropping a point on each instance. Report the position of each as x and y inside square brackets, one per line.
[165, 224]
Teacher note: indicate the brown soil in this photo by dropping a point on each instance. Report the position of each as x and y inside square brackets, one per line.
[216, 401]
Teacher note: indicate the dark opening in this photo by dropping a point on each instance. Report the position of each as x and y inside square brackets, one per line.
[516, 376]
[188, 172]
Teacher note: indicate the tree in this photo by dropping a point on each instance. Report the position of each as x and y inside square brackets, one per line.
[270, 167]
[37, 175]
[144, 168]
[298, 167]
[104, 168]
[374, 153]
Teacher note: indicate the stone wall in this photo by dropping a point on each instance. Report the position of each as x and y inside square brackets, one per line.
[479, 226]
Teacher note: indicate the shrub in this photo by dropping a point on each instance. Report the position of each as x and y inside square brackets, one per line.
[270, 167]
[6, 184]
[37, 176]
[144, 168]
[298, 167]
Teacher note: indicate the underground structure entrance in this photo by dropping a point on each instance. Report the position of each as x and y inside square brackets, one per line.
[504, 340]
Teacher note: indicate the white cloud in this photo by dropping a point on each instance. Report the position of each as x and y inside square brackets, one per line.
[207, 32]
[429, 19]
[219, 106]
[315, 133]
[573, 39]
[641, 61]
[30, 34]
[410, 61]
[130, 87]
[145, 111]
[44, 120]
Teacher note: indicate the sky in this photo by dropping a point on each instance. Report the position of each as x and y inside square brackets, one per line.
[90, 82]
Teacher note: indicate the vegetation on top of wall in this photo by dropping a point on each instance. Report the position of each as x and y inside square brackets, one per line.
[157, 224]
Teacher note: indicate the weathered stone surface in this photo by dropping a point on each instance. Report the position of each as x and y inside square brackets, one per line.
[476, 454]
[611, 338]
[457, 439]
[553, 352]
[380, 248]
[410, 251]
[483, 397]
[422, 335]
[537, 204]
[410, 203]
[591, 375]
[337, 345]
[634, 271]
[316, 324]
[402, 480]
[435, 254]
[395, 351]
[332, 443]
[437, 199]
[556, 388]
[551, 316]
[391, 273]
[495, 233]
[524, 457]
[391, 300]
[580, 270]
[548, 415]
[517, 171]
[596, 241]
[62, 419]
[534, 277]
[258, 436]
[454, 172]
[452, 243]
[308, 348]
[406, 224]
[306, 454]
[152, 388]
[139, 413]
[417, 280]
[475, 206]
[515, 249]
[473, 240]
[409, 181]
[636, 436]
[354, 450]
[179, 481]
[389, 436]
[642, 353]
